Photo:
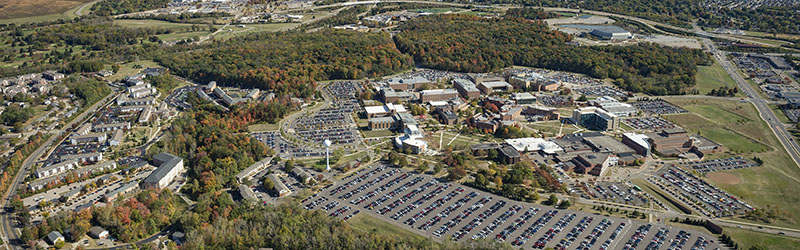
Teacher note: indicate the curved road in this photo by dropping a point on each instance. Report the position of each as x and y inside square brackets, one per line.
[6, 218]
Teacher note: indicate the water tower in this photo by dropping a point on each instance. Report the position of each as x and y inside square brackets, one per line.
[327, 144]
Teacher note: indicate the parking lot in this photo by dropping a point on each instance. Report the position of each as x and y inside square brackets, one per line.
[554, 101]
[697, 193]
[429, 207]
[619, 192]
[334, 123]
[285, 149]
[648, 123]
[658, 107]
[706, 166]
[178, 97]
[602, 91]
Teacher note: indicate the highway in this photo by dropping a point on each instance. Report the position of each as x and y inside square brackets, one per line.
[6, 218]
[761, 105]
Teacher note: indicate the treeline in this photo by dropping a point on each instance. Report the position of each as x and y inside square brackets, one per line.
[220, 223]
[724, 91]
[96, 33]
[681, 13]
[14, 161]
[116, 7]
[88, 91]
[127, 220]
[181, 18]
[290, 63]
[765, 19]
[15, 115]
[530, 13]
[472, 44]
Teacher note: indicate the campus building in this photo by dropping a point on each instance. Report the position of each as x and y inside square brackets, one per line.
[432, 95]
[169, 166]
[466, 88]
[594, 118]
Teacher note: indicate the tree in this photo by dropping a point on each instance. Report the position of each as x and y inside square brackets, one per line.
[289, 165]
[437, 168]
[498, 181]
[422, 167]
[481, 181]
[268, 184]
[758, 247]
[583, 98]
[553, 200]
[565, 204]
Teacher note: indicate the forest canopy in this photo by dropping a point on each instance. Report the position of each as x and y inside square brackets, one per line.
[290, 63]
[472, 44]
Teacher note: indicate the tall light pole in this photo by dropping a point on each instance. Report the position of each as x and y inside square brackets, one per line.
[327, 144]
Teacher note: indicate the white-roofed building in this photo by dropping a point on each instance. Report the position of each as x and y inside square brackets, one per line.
[534, 144]
[615, 107]
[638, 142]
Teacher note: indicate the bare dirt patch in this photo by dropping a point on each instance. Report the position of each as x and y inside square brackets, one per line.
[724, 178]
[27, 8]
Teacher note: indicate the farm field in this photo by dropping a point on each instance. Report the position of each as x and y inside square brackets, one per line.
[32, 11]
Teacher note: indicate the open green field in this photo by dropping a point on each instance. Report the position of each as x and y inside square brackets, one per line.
[732, 140]
[716, 114]
[713, 77]
[770, 185]
[376, 226]
[233, 31]
[747, 239]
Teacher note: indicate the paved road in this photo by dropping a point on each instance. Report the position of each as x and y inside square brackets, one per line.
[761, 105]
[6, 220]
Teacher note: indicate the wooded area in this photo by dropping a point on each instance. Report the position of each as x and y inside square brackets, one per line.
[290, 63]
[472, 44]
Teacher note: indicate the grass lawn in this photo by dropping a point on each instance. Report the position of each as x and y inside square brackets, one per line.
[130, 68]
[374, 225]
[715, 113]
[263, 127]
[779, 113]
[550, 128]
[771, 184]
[747, 239]
[436, 10]
[645, 186]
[377, 133]
[713, 77]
